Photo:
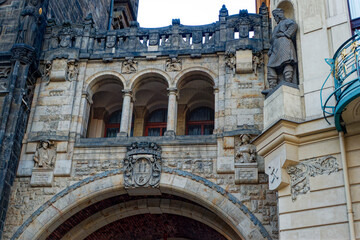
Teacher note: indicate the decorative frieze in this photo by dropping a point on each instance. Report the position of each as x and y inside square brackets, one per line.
[300, 174]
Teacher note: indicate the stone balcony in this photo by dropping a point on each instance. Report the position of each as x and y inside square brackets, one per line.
[230, 33]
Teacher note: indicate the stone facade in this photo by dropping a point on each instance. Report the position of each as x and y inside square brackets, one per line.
[89, 75]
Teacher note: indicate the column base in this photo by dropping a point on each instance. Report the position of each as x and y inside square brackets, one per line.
[122, 134]
[170, 133]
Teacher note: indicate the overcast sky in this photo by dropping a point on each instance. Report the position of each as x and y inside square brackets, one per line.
[159, 13]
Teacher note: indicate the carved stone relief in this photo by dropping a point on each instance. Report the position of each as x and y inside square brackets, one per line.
[173, 65]
[45, 155]
[129, 66]
[46, 72]
[300, 174]
[142, 165]
[72, 70]
[258, 61]
[246, 166]
[244, 151]
[4, 78]
[230, 61]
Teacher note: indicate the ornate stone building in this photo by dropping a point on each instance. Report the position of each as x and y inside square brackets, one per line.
[113, 131]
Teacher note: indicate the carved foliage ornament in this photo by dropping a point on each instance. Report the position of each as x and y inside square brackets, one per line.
[142, 165]
[300, 174]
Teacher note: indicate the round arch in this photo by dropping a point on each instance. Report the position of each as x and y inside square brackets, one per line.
[194, 71]
[111, 183]
[150, 72]
[96, 78]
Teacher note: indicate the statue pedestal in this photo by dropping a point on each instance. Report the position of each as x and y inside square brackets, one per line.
[283, 103]
[246, 173]
[42, 177]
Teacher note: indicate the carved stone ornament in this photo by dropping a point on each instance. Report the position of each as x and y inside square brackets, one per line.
[23, 53]
[142, 165]
[4, 74]
[258, 61]
[72, 70]
[46, 72]
[129, 66]
[173, 65]
[300, 174]
[230, 61]
[244, 151]
[45, 155]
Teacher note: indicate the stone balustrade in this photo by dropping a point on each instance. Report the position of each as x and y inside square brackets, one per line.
[230, 33]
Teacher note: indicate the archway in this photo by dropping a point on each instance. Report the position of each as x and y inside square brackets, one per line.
[200, 200]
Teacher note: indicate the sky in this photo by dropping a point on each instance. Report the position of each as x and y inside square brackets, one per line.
[159, 13]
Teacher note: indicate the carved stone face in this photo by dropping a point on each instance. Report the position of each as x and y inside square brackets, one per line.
[45, 145]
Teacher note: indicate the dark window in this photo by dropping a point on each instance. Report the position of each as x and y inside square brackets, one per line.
[156, 123]
[200, 121]
[112, 126]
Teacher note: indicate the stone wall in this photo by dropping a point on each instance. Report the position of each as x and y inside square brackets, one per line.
[76, 10]
[9, 19]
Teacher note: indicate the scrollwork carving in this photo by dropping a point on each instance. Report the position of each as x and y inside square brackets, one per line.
[300, 174]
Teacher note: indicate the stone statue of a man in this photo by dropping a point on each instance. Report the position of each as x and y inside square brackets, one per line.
[282, 54]
[45, 155]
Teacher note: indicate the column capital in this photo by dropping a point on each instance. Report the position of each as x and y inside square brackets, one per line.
[128, 92]
[172, 90]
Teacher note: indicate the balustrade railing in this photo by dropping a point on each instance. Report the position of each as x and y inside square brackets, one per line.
[230, 33]
[345, 70]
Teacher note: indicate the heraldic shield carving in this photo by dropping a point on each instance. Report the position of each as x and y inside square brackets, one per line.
[142, 165]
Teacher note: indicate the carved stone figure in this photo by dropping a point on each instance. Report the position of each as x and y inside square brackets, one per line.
[257, 62]
[282, 54]
[173, 65]
[230, 60]
[129, 66]
[47, 70]
[29, 21]
[45, 155]
[72, 70]
[245, 152]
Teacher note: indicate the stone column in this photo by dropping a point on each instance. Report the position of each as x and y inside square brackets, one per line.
[216, 110]
[172, 113]
[125, 115]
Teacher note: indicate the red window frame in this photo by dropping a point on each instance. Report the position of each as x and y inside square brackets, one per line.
[201, 123]
[160, 125]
